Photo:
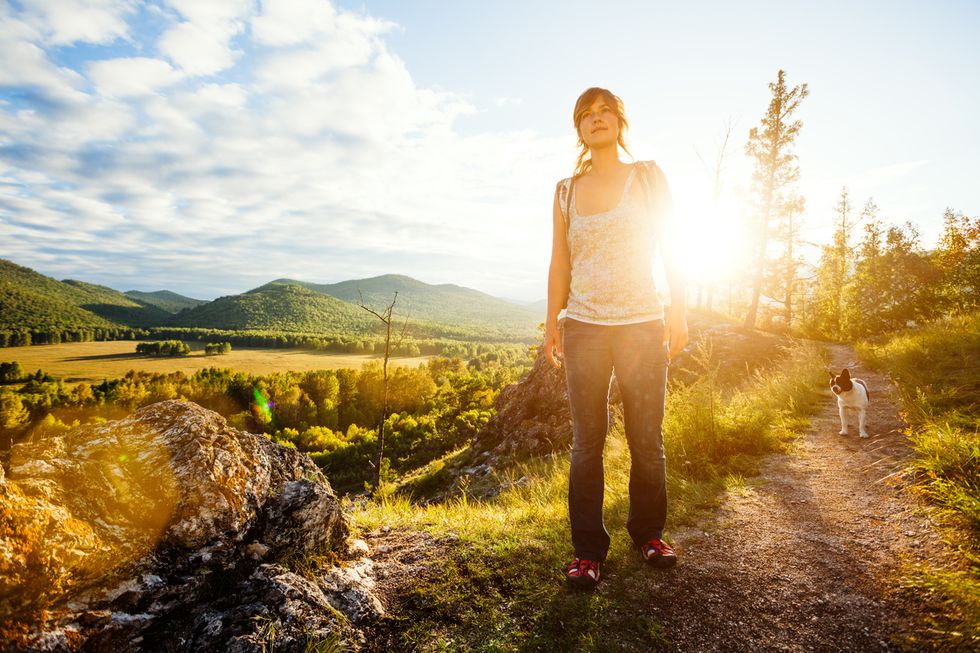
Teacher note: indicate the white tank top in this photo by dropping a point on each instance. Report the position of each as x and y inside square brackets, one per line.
[612, 261]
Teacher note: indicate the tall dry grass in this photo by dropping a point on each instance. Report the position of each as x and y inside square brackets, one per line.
[937, 370]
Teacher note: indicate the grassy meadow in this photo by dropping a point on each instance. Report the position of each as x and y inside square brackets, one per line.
[75, 362]
[936, 369]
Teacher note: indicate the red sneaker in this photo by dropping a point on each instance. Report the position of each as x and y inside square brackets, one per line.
[658, 553]
[582, 573]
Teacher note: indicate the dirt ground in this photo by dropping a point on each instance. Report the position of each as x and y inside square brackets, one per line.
[805, 557]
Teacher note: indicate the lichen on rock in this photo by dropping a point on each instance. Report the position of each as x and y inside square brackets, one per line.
[151, 523]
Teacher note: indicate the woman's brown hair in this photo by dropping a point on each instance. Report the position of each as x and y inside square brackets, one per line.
[581, 106]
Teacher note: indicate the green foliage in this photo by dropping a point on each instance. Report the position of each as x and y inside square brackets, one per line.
[13, 413]
[164, 348]
[11, 372]
[957, 257]
[217, 348]
[943, 405]
[890, 281]
[332, 414]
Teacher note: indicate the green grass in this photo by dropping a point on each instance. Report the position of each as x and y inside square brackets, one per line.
[502, 588]
[936, 369]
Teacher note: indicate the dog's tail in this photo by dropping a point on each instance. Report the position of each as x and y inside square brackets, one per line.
[866, 391]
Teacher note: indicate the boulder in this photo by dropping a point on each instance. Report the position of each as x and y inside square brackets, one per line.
[167, 522]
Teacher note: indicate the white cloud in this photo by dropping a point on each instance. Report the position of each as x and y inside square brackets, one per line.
[201, 45]
[290, 22]
[323, 156]
[25, 63]
[63, 22]
[132, 76]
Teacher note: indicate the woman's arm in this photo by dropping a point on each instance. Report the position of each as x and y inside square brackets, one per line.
[670, 248]
[559, 281]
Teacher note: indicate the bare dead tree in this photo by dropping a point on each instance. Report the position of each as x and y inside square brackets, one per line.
[717, 186]
[385, 317]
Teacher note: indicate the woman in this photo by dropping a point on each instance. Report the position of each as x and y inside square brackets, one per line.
[608, 218]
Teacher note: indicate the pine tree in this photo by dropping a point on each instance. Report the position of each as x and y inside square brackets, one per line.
[774, 172]
[784, 266]
[957, 256]
[868, 286]
[834, 273]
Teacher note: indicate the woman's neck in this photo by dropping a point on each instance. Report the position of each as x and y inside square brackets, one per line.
[606, 161]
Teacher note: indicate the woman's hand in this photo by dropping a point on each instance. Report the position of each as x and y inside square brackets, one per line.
[675, 335]
[552, 344]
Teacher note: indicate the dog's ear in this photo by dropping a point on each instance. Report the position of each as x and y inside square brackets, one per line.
[845, 374]
[832, 375]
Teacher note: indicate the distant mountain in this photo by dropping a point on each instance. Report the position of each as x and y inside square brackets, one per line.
[279, 307]
[33, 300]
[165, 300]
[468, 310]
[117, 307]
[540, 307]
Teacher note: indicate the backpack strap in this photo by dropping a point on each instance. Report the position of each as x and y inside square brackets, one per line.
[564, 191]
[648, 181]
[658, 198]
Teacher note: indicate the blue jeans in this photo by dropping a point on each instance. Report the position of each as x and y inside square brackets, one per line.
[639, 356]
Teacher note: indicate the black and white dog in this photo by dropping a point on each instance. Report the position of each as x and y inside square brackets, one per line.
[852, 394]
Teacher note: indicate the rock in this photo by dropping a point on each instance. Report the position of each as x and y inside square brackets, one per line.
[350, 592]
[531, 416]
[172, 527]
[257, 550]
[357, 549]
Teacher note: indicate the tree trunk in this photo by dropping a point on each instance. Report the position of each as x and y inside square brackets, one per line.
[384, 407]
[760, 268]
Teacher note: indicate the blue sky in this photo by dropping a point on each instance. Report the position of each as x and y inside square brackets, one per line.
[210, 147]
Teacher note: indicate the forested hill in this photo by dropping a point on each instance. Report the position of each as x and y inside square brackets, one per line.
[444, 303]
[31, 300]
[166, 300]
[285, 307]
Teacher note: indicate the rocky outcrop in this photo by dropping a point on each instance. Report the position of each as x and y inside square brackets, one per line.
[531, 417]
[171, 530]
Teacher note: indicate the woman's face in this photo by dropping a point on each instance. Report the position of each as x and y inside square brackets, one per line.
[599, 125]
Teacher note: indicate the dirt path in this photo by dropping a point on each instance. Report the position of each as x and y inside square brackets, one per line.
[805, 557]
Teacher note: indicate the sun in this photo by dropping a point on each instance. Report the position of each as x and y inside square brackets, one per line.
[713, 243]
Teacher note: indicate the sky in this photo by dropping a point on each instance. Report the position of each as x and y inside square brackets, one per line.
[209, 147]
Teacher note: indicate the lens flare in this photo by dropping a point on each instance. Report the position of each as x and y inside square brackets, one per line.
[261, 406]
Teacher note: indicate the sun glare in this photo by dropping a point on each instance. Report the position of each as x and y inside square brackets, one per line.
[713, 242]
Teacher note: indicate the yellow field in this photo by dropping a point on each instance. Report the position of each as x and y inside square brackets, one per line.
[94, 361]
